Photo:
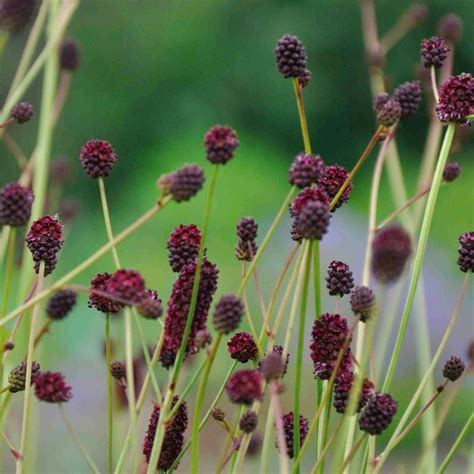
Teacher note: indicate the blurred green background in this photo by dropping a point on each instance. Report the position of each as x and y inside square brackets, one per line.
[154, 77]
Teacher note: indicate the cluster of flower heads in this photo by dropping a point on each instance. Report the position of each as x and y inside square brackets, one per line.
[246, 247]
[403, 103]
[50, 387]
[174, 435]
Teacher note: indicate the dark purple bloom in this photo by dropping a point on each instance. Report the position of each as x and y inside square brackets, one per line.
[15, 204]
[378, 413]
[332, 180]
[220, 144]
[242, 347]
[228, 314]
[290, 56]
[305, 170]
[245, 386]
[339, 280]
[456, 99]
[52, 387]
[97, 158]
[466, 252]
[288, 429]
[183, 246]
[60, 304]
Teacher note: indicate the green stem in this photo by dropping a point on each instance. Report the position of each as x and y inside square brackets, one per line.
[365, 154]
[78, 442]
[86, 263]
[353, 452]
[420, 252]
[300, 350]
[110, 411]
[319, 466]
[266, 239]
[317, 279]
[457, 444]
[29, 363]
[302, 114]
[159, 435]
[267, 439]
[198, 404]
[107, 221]
[414, 400]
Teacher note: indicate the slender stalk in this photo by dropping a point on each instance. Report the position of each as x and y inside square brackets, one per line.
[317, 279]
[258, 288]
[357, 166]
[11, 231]
[107, 221]
[454, 317]
[110, 408]
[300, 351]
[282, 448]
[15, 150]
[159, 435]
[433, 83]
[29, 363]
[16, 454]
[267, 439]
[420, 252]
[302, 115]
[266, 239]
[457, 444]
[391, 217]
[320, 462]
[198, 404]
[353, 452]
[87, 262]
[78, 442]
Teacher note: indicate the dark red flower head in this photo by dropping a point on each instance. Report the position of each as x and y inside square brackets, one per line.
[220, 144]
[289, 429]
[466, 252]
[314, 193]
[332, 180]
[44, 240]
[245, 386]
[126, 285]
[313, 221]
[178, 307]
[339, 280]
[273, 363]
[15, 204]
[16, 14]
[248, 421]
[451, 171]
[341, 392]
[290, 56]
[391, 248]
[456, 99]
[186, 182]
[174, 436]
[97, 158]
[378, 413]
[118, 370]
[246, 250]
[99, 301]
[389, 113]
[362, 302]
[408, 95]
[150, 306]
[433, 52]
[22, 112]
[242, 347]
[69, 54]
[52, 387]
[247, 229]
[305, 170]
[327, 339]
[453, 368]
[228, 314]
[379, 101]
[183, 246]
[60, 304]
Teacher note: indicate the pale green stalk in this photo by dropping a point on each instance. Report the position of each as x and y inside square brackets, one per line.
[457, 444]
[420, 252]
[110, 411]
[267, 443]
[198, 404]
[414, 400]
[300, 350]
[29, 363]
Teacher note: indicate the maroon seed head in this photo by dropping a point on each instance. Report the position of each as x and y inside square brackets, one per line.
[60, 304]
[453, 368]
[242, 347]
[456, 99]
[290, 56]
[245, 386]
[339, 280]
[52, 387]
[97, 158]
[378, 413]
[69, 54]
[466, 252]
[15, 204]
[183, 246]
[220, 144]
[22, 112]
